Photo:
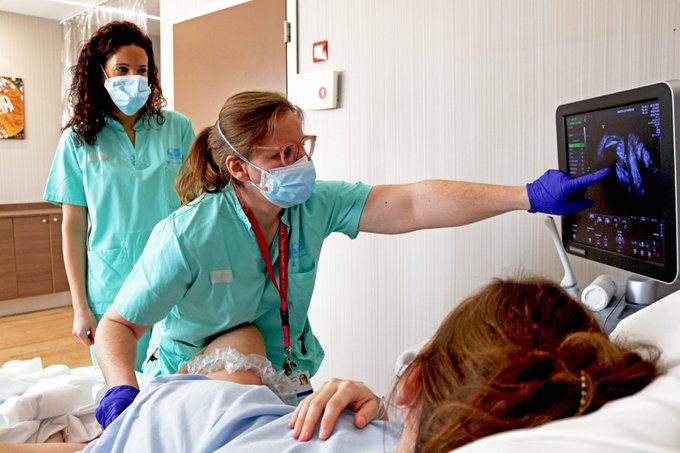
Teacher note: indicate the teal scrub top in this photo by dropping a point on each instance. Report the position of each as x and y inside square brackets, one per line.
[202, 273]
[126, 189]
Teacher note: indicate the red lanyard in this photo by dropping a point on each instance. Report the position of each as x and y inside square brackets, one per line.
[282, 288]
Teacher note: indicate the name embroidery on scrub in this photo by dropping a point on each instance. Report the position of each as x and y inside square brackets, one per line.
[296, 251]
[173, 156]
[221, 276]
[96, 156]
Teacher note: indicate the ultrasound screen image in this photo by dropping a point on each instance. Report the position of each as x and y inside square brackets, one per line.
[627, 212]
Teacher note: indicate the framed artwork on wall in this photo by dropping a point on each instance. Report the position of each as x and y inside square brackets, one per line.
[11, 108]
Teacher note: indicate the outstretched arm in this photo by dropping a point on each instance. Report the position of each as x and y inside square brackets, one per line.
[401, 208]
[392, 209]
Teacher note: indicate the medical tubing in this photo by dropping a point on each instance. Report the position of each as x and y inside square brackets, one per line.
[230, 360]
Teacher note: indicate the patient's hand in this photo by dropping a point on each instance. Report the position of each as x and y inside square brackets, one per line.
[328, 402]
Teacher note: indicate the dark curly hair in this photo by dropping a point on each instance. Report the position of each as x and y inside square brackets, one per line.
[90, 101]
[515, 355]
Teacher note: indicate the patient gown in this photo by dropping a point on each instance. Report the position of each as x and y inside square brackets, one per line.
[195, 414]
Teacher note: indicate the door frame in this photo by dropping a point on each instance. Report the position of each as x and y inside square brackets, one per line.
[173, 12]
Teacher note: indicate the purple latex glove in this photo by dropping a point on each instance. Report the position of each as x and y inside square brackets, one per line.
[115, 401]
[555, 192]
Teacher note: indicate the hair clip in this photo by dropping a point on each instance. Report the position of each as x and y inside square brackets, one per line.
[583, 403]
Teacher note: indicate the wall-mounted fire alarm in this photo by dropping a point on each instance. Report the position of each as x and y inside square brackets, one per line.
[320, 51]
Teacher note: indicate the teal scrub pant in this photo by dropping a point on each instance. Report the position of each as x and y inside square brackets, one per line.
[142, 346]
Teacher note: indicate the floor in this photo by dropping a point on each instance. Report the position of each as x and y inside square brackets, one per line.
[45, 334]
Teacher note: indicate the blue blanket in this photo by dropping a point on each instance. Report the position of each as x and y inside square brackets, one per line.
[189, 413]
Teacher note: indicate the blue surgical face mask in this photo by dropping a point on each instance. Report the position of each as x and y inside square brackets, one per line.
[129, 92]
[287, 186]
[283, 186]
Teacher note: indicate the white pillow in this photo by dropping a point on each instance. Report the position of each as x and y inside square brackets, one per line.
[648, 421]
[658, 324]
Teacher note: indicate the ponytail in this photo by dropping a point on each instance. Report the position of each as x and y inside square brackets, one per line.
[245, 119]
[200, 173]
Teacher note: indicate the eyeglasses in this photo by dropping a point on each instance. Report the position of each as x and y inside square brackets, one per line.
[292, 152]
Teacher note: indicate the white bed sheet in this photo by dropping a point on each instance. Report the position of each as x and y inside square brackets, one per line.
[37, 402]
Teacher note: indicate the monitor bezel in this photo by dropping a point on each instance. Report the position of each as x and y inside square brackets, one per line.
[667, 94]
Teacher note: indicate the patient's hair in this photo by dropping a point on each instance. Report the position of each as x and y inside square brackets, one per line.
[518, 354]
[246, 119]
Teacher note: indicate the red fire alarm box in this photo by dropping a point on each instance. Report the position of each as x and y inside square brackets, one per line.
[320, 51]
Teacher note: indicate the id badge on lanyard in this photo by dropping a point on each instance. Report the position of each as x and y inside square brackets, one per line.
[299, 380]
[301, 377]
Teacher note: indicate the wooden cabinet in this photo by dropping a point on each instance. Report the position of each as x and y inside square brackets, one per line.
[8, 270]
[31, 259]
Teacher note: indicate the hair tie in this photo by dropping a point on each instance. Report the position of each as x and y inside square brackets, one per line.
[583, 403]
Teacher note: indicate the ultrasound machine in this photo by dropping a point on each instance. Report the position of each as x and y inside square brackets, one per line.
[633, 222]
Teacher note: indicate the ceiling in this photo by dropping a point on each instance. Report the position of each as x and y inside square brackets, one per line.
[60, 9]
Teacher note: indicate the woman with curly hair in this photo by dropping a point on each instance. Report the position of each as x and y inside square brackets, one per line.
[114, 168]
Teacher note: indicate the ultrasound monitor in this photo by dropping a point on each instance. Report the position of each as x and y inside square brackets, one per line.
[633, 223]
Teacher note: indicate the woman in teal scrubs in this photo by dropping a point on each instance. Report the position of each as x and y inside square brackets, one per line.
[245, 247]
[114, 169]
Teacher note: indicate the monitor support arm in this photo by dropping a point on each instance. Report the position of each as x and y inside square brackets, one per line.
[568, 283]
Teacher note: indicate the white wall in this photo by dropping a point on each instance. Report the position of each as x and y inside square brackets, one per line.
[31, 49]
[465, 90]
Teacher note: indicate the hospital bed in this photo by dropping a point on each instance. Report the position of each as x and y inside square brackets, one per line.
[38, 402]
